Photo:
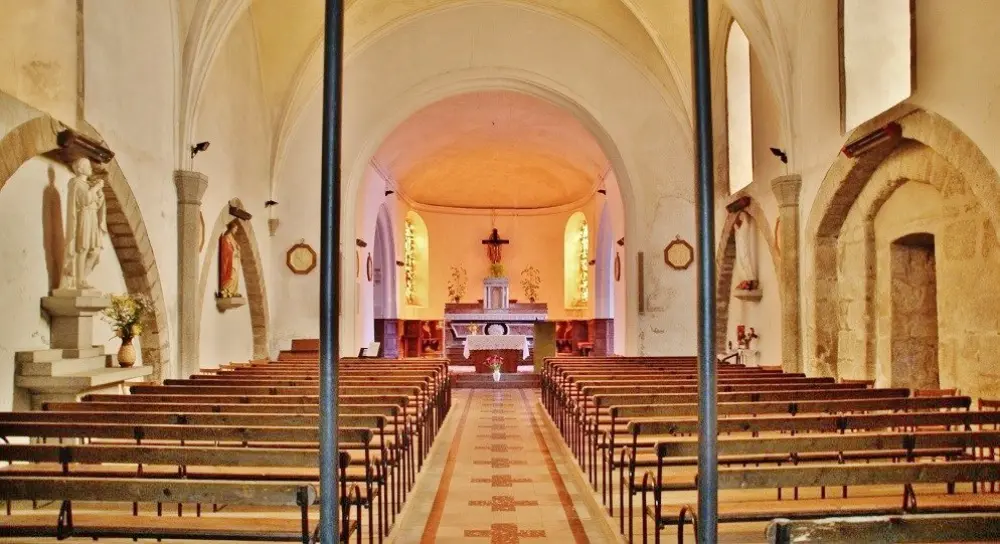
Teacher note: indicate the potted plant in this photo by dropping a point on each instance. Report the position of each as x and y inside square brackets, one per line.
[457, 283]
[496, 365]
[531, 280]
[125, 315]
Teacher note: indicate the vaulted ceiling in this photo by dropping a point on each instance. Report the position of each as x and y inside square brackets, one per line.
[495, 149]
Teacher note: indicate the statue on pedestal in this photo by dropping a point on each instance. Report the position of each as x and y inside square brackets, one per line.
[86, 225]
[229, 262]
[746, 253]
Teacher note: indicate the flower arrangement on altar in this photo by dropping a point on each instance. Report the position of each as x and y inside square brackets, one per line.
[531, 280]
[744, 338]
[125, 316]
[495, 362]
[496, 270]
[457, 283]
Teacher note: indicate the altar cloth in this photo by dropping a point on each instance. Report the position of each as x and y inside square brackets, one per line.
[491, 342]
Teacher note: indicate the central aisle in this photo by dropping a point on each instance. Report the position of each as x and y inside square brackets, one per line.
[499, 480]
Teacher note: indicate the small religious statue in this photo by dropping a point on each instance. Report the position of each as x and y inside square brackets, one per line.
[746, 253]
[86, 225]
[229, 262]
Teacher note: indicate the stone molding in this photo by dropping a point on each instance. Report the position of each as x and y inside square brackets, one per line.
[786, 190]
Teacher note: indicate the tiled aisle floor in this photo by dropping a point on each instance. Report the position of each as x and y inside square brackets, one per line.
[499, 480]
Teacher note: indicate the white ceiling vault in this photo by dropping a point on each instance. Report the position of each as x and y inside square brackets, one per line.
[492, 149]
[651, 34]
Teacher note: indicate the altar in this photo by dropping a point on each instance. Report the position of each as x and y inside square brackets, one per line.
[511, 348]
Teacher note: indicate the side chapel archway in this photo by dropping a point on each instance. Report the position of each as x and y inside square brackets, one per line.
[384, 264]
[842, 186]
[725, 261]
[253, 276]
[125, 226]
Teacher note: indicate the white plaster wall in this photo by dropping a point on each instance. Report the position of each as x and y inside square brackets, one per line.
[492, 46]
[237, 165]
[763, 315]
[129, 74]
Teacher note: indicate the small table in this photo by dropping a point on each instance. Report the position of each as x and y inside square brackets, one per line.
[510, 347]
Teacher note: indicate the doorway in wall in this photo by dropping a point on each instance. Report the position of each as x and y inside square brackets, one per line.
[913, 311]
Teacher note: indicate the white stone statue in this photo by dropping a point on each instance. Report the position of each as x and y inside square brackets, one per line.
[746, 251]
[86, 226]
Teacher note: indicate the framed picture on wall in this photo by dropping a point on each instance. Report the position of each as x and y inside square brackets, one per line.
[370, 267]
[301, 259]
[678, 254]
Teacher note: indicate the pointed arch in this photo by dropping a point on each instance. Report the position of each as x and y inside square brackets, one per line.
[384, 257]
[253, 277]
[416, 261]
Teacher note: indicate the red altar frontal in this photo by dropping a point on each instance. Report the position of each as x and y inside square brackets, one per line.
[510, 357]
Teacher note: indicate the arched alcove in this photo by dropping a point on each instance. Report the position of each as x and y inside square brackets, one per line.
[416, 261]
[127, 230]
[576, 262]
[253, 276]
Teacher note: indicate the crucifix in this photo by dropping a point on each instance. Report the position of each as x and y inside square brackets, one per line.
[494, 243]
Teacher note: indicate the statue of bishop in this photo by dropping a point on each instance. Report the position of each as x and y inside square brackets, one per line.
[86, 226]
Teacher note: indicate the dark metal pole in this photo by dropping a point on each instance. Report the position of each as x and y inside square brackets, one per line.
[708, 475]
[329, 261]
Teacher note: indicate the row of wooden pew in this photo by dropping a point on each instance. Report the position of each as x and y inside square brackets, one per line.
[242, 439]
[632, 424]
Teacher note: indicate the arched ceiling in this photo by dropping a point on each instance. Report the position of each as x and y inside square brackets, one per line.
[492, 149]
[290, 32]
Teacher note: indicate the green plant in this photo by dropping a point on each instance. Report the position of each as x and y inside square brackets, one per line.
[125, 315]
[496, 270]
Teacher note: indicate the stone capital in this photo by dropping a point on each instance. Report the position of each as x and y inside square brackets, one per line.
[786, 189]
[190, 186]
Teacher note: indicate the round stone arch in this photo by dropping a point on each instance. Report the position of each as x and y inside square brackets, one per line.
[125, 226]
[725, 260]
[843, 185]
[461, 82]
[253, 276]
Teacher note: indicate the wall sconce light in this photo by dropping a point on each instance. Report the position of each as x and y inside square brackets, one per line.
[199, 147]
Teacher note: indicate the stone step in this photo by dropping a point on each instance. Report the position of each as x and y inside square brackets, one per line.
[519, 380]
[51, 355]
[81, 381]
[65, 367]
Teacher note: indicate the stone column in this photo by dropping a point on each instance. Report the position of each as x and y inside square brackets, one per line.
[786, 190]
[190, 188]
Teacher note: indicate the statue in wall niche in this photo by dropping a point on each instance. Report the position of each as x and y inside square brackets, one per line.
[86, 225]
[746, 253]
[229, 262]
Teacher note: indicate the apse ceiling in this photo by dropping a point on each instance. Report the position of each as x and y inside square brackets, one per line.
[492, 149]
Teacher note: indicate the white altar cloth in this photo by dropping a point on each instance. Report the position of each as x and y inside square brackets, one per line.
[487, 342]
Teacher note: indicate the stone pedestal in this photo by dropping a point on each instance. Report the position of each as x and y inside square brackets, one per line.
[229, 303]
[496, 294]
[72, 314]
[74, 366]
[786, 191]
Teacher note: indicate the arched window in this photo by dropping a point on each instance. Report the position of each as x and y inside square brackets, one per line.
[738, 109]
[416, 261]
[576, 263]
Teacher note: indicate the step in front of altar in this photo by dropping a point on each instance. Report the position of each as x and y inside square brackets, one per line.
[520, 380]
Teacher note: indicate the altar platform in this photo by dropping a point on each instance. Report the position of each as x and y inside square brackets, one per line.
[470, 318]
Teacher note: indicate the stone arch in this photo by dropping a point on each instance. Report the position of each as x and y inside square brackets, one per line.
[947, 147]
[253, 277]
[725, 260]
[385, 252]
[125, 227]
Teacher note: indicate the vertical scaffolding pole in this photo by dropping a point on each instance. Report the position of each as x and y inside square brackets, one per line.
[708, 476]
[329, 263]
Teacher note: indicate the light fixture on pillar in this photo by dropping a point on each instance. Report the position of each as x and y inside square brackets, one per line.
[272, 219]
[389, 192]
[199, 147]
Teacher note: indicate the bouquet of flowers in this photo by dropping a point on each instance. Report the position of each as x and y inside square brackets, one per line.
[125, 315]
[457, 283]
[530, 281]
[495, 363]
[744, 338]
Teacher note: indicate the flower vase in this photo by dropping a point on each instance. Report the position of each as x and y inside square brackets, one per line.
[126, 354]
[496, 375]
